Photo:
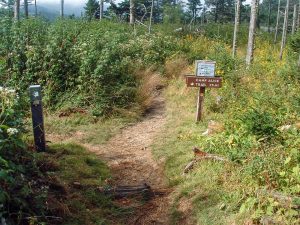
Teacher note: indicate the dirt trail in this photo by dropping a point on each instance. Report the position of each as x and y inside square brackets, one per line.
[129, 156]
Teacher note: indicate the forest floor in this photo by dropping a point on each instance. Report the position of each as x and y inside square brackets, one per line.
[128, 154]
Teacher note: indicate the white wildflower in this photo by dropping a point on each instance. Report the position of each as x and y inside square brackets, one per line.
[11, 91]
[12, 131]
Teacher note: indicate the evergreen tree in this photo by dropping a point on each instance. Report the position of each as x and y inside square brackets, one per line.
[173, 14]
[223, 10]
[90, 8]
[194, 6]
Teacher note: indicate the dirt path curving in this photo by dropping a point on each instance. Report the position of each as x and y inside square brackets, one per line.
[130, 159]
[129, 156]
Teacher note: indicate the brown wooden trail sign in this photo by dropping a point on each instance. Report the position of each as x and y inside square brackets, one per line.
[205, 78]
[209, 82]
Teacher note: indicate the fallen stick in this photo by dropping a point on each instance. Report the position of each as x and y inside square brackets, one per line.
[201, 155]
[144, 191]
[214, 157]
[189, 166]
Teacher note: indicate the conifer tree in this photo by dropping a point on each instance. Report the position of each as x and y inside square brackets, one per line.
[90, 8]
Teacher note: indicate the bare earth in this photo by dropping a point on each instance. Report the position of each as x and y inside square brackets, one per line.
[129, 156]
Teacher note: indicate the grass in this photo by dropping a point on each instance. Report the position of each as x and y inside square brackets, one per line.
[226, 193]
[86, 128]
[204, 187]
[75, 176]
[214, 192]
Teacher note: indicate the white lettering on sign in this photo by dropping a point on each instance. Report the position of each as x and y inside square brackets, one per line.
[205, 68]
[36, 94]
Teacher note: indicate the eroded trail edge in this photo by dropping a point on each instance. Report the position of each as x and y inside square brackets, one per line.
[129, 156]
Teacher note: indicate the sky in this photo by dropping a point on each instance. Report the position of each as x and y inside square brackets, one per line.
[75, 2]
[75, 6]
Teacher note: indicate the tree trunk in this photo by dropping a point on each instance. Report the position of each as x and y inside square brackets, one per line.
[257, 15]
[277, 22]
[35, 8]
[62, 8]
[17, 10]
[284, 30]
[132, 12]
[236, 26]
[269, 16]
[298, 21]
[252, 28]
[151, 15]
[101, 10]
[294, 19]
[26, 8]
[216, 13]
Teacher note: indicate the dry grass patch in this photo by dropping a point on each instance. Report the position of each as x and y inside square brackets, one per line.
[176, 67]
[150, 83]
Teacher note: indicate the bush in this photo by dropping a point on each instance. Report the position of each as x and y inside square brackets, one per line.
[260, 123]
[21, 191]
[94, 62]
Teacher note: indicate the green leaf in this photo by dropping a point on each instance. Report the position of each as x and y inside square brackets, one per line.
[287, 160]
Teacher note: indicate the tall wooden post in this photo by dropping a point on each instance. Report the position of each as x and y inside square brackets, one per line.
[252, 28]
[151, 16]
[294, 19]
[17, 10]
[284, 30]
[101, 10]
[236, 26]
[277, 22]
[62, 5]
[131, 12]
[37, 117]
[269, 16]
[200, 103]
[298, 20]
[26, 8]
[35, 9]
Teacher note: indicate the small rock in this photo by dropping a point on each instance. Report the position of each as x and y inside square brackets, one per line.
[285, 127]
[77, 184]
[297, 125]
[222, 206]
[218, 100]
[205, 132]
[213, 127]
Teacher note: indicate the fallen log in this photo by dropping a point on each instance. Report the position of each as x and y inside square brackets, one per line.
[189, 166]
[201, 155]
[144, 191]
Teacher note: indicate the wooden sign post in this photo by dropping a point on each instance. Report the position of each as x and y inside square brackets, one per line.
[37, 117]
[205, 78]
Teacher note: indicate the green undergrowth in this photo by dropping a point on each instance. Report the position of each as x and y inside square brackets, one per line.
[86, 128]
[202, 187]
[76, 176]
[257, 112]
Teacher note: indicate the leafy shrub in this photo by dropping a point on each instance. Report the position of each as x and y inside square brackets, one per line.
[21, 193]
[260, 123]
[93, 63]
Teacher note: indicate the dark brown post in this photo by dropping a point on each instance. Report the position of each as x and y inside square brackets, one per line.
[37, 117]
[200, 104]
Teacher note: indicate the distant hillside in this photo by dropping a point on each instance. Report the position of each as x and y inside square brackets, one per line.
[51, 11]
